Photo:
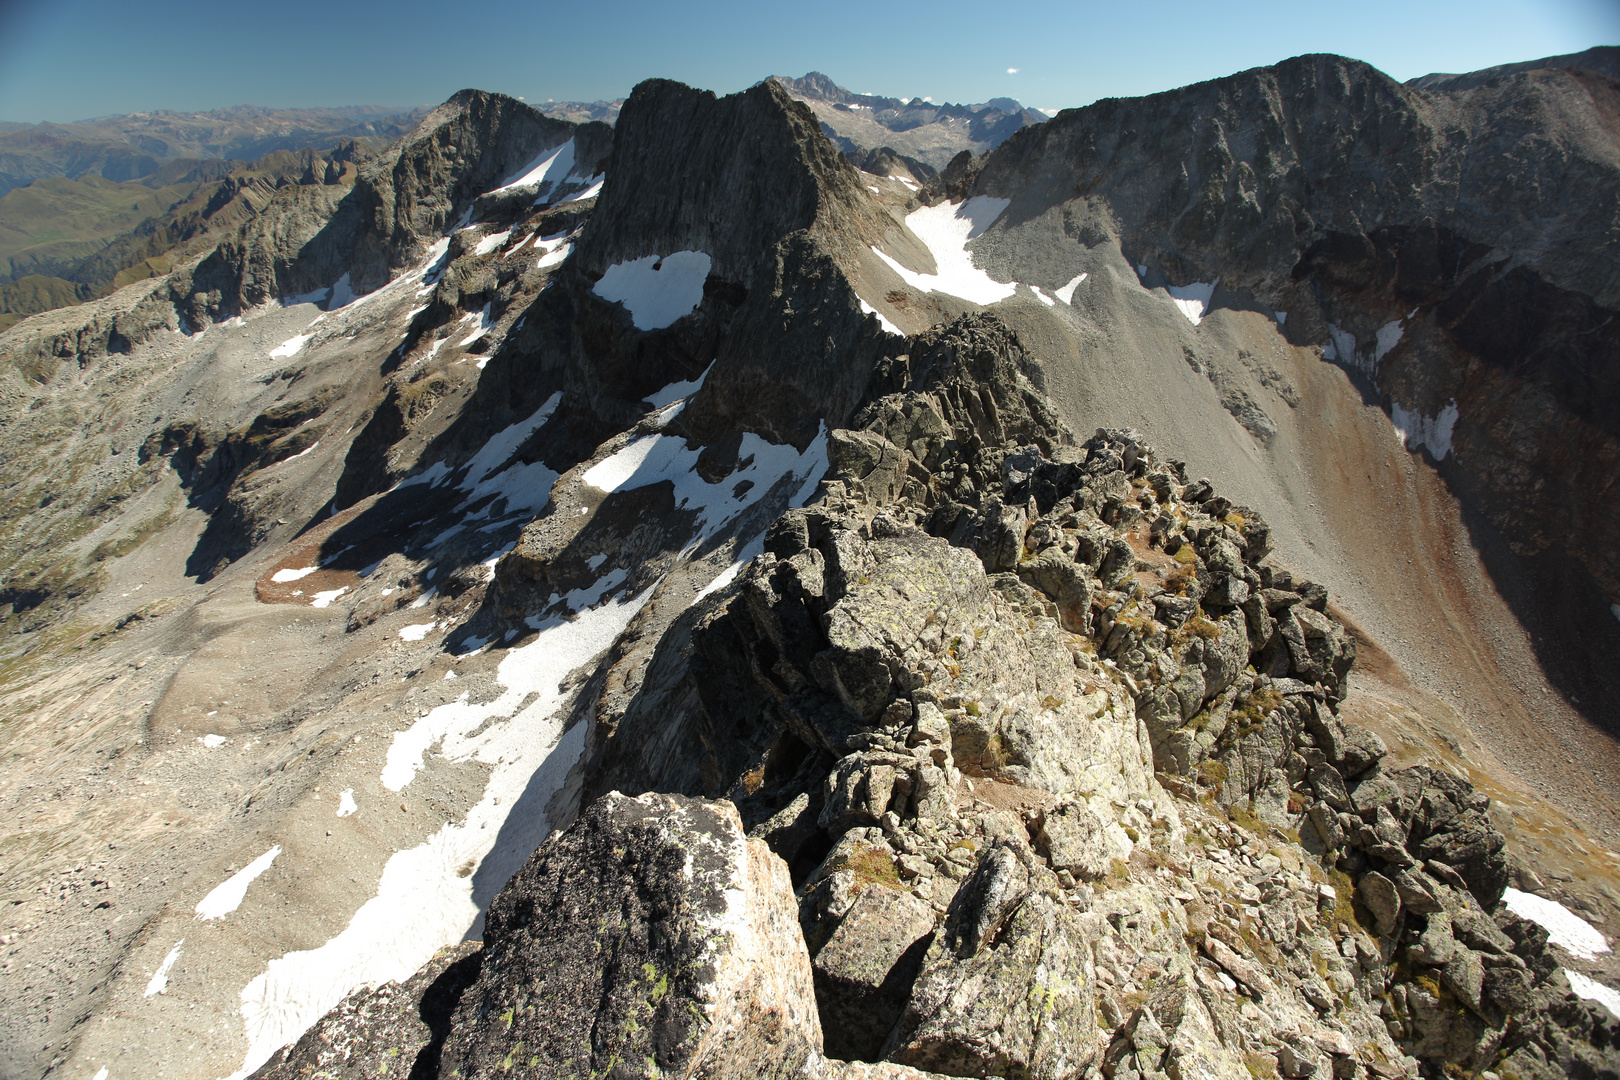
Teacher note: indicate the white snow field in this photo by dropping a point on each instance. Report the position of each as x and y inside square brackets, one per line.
[657, 289]
[1565, 929]
[946, 229]
[1592, 990]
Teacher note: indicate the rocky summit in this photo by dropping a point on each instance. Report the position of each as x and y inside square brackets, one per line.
[720, 594]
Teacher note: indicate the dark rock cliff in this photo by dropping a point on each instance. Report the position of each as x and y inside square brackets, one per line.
[1439, 245]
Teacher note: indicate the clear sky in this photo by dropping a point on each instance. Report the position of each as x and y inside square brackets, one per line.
[66, 60]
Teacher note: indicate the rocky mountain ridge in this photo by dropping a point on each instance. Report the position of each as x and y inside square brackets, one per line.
[684, 460]
[923, 135]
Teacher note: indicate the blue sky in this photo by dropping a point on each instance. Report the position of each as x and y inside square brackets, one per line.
[71, 59]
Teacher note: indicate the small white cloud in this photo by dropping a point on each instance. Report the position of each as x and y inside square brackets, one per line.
[1012, 71]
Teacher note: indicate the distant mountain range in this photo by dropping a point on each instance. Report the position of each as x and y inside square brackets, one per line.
[918, 130]
[137, 145]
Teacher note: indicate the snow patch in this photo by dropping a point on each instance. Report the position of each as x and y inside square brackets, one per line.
[654, 458]
[491, 242]
[1388, 336]
[346, 805]
[324, 599]
[1341, 348]
[1192, 300]
[160, 979]
[213, 742]
[1066, 293]
[676, 391]
[589, 193]
[946, 230]
[883, 320]
[417, 632]
[228, 896]
[550, 167]
[343, 293]
[291, 346]
[657, 290]
[553, 252]
[281, 577]
[1041, 295]
[506, 442]
[1592, 990]
[1564, 928]
[1417, 430]
[425, 898]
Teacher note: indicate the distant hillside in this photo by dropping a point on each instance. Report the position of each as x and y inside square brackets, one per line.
[138, 145]
[1605, 60]
[64, 241]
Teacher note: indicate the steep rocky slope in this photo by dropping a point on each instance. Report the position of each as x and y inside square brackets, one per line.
[358, 563]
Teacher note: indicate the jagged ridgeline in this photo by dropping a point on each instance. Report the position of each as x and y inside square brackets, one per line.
[837, 703]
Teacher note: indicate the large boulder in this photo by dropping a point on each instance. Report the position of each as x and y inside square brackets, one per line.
[1006, 987]
[650, 939]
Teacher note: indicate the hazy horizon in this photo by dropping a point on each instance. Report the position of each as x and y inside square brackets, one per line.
[158, 57]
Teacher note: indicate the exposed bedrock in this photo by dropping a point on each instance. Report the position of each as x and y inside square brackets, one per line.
[1439, 245]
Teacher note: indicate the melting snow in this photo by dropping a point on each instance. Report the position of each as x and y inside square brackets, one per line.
[342, 294]
[1342, 348]
[589, 193]
[1592, 990]
[1041, 295]
[1386, 339]
[484, 323]
[657, 290]
[503, 444]
[160, 978]
[676, 391]
[1417, 430]
[552, 166]
[491, 242]
[946, 229]
[213, 742]
[1066, 293]
[654, 458]
[1564, 928]
[417, 632]
[425, 898]
[290, 346]
[228, 896]
[883, 320]
[324, 599]
[553, 252]
[346, 804]
[283, 576]
[1192, 300]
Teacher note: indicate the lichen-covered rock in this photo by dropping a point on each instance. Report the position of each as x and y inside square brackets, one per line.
[392, 1029]
[651, 938]
[1006, 987]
